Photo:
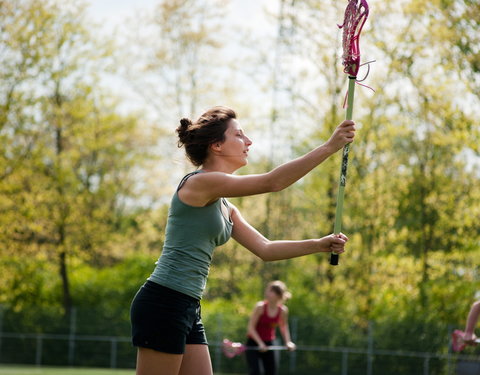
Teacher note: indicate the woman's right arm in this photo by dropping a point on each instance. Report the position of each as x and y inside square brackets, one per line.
[210, 186]
[252, 324]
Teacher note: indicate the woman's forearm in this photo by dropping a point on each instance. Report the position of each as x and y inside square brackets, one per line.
[279, 250]
[290, 172]
[256, 337]
[286, 334]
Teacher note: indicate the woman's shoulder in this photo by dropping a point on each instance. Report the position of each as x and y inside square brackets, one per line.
[258, 309]
[188, 178]
[259, 306]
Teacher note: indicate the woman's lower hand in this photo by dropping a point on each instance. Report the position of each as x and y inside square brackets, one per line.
[291, 346]
[262, 347]
[333, 243]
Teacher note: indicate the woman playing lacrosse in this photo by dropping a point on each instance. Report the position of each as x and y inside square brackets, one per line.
[267, 315]
[165, 313]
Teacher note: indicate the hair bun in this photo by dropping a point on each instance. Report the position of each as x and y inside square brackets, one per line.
[185, 122]
[183, 133]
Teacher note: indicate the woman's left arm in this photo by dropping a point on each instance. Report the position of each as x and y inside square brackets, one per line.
[285, 330]
[267, 250]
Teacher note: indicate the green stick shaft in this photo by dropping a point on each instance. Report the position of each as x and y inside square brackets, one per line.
[343, 170]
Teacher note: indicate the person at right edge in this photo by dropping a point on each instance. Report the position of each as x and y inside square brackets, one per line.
[472, 320]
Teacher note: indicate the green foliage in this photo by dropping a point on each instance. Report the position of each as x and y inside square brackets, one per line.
[68, 153]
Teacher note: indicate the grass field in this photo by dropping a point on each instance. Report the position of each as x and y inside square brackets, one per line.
[33, 370]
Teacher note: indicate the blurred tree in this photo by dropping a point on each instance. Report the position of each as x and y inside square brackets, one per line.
[433, 179]
[458, 23]
[172, 67]
[71, 163]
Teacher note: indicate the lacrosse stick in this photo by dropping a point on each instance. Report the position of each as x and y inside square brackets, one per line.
[232, 349]
[356, 14]
[458, 344]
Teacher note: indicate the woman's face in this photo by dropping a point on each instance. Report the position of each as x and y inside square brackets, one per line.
[271, 296]
[236, 144]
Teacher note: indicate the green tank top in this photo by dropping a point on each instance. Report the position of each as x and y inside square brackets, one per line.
[191, 235]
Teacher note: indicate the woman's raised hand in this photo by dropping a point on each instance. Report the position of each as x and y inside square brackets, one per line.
[343, 134]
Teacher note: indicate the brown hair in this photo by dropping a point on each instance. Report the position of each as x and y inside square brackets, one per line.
[208, 129]
[280, 289]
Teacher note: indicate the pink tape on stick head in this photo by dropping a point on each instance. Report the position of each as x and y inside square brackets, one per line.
[356, 14]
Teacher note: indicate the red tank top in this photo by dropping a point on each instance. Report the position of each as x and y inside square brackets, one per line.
[266, 324]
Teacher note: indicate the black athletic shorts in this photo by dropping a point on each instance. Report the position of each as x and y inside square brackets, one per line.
[165, 320]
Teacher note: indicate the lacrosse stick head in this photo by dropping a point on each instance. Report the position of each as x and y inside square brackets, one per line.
[355, 16]
[457, 341]
[232, 349]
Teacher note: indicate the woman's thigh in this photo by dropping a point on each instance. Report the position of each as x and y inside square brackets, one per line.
[269, 362]
[253, 362]
[196, 360]
[152, 362]
[165, 320]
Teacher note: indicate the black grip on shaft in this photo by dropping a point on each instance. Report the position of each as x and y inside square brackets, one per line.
[334, 259]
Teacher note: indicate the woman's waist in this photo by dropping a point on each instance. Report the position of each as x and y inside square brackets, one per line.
[167, 291]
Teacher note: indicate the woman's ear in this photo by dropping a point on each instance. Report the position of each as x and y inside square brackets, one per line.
[216, 147]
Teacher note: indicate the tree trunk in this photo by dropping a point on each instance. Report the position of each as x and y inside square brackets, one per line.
[67, 297]
[63, 208]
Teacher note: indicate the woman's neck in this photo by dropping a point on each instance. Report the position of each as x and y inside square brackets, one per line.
[273, 304]
[215, 165]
